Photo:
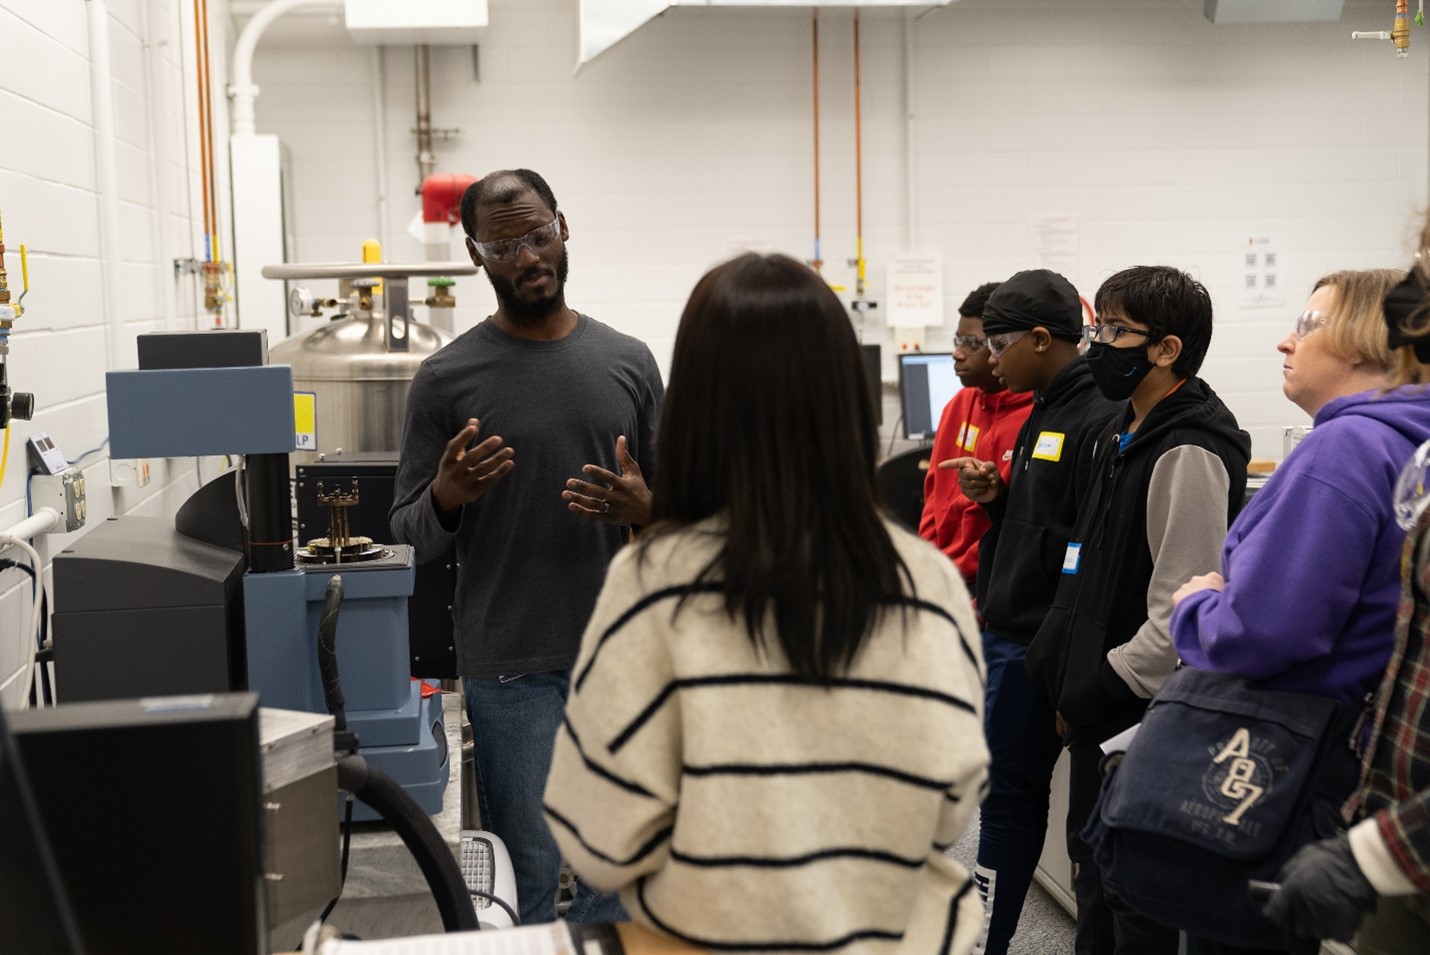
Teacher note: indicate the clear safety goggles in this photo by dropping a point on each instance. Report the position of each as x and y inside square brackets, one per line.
[1412, 489]
[506, 250]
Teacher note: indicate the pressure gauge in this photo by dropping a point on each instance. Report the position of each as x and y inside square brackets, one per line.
[301, 302]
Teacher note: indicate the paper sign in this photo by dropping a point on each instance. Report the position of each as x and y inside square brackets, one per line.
[915, 290]
[1261, 274]
[1055, 245]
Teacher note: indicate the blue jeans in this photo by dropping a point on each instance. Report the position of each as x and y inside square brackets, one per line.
[1019, 724]
[514, 724]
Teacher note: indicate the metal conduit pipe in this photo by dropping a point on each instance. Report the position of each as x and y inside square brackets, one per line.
[101, 84]
[379, 140]
[426, 161]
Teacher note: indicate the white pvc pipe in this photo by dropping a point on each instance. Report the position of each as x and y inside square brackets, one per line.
[37, 523]
[106, 174]
[155, 107]
[242, 90]
[911, 166]
[379, 141]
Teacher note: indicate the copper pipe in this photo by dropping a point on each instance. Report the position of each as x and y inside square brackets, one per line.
[4, 288]
[858, 168]
[208, 133]
[200, 58]
[818, 262]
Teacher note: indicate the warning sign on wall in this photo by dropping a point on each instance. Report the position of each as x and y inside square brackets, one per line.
[915, 290]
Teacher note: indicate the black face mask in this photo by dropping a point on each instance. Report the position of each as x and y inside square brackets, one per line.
[1400, 303]
[1117, 371]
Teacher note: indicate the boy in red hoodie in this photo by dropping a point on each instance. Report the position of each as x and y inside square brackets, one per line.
[981, 421]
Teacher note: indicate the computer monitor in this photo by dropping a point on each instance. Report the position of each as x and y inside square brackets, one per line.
[926, 383]
[153, 809]
[36, 915]
[873, 362]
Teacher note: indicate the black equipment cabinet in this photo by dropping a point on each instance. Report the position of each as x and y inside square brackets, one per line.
[429, 613]
[142, 610]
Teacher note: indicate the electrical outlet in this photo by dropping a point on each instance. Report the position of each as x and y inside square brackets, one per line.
[65, 493]
[909, 339]
[135, 473]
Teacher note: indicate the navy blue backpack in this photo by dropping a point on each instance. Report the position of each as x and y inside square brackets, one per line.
[1223, 782]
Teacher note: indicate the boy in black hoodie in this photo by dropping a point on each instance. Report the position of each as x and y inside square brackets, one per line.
[1033, 325]
[1170, 474]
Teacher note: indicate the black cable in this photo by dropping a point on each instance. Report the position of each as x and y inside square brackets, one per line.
[511, 914]
[434, 857]
[6, 563]
[343, 871]
[333, 699]
[46, 693]
[347, 842]
[894, 434]
[328, 653]
[381, 792]
[45, 654]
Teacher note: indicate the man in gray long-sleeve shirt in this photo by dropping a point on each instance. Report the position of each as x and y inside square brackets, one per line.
[526, 443]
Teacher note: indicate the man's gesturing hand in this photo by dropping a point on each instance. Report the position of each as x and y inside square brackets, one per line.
[466, 473]
[619, 499]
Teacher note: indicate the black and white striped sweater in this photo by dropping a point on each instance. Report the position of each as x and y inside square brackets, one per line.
[740, 809]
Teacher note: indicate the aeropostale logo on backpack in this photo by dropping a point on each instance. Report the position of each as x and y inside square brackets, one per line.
[1239, 775]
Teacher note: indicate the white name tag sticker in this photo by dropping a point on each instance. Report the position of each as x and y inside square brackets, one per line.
[1049, 446]
[970, 438]
[1072, 558]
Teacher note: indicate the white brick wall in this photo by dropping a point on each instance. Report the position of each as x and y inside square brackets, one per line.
[49, 201]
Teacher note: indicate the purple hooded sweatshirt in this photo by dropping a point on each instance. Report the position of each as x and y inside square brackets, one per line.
[1312, 564]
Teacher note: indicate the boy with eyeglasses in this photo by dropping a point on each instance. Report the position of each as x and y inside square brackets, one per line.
[1033, 322]
[981, 420]
[1169, 475]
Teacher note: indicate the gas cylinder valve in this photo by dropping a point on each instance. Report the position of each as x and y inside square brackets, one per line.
[441, 296]
[22, 404]
[1400, 29]
[13, 404]
[302, 302]
[364, 290]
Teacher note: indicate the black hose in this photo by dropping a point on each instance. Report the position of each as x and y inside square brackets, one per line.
[434, 857]
[328, 653]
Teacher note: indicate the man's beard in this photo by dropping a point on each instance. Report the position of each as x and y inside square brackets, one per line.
[524, 311]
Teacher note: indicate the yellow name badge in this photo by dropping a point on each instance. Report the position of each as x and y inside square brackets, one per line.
[1049, 446]
[968, 437]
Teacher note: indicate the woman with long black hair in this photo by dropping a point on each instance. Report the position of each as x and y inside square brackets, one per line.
[775, 724]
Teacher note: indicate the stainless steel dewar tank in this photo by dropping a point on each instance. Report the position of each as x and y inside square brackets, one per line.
[361, 386]
[360, 366]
